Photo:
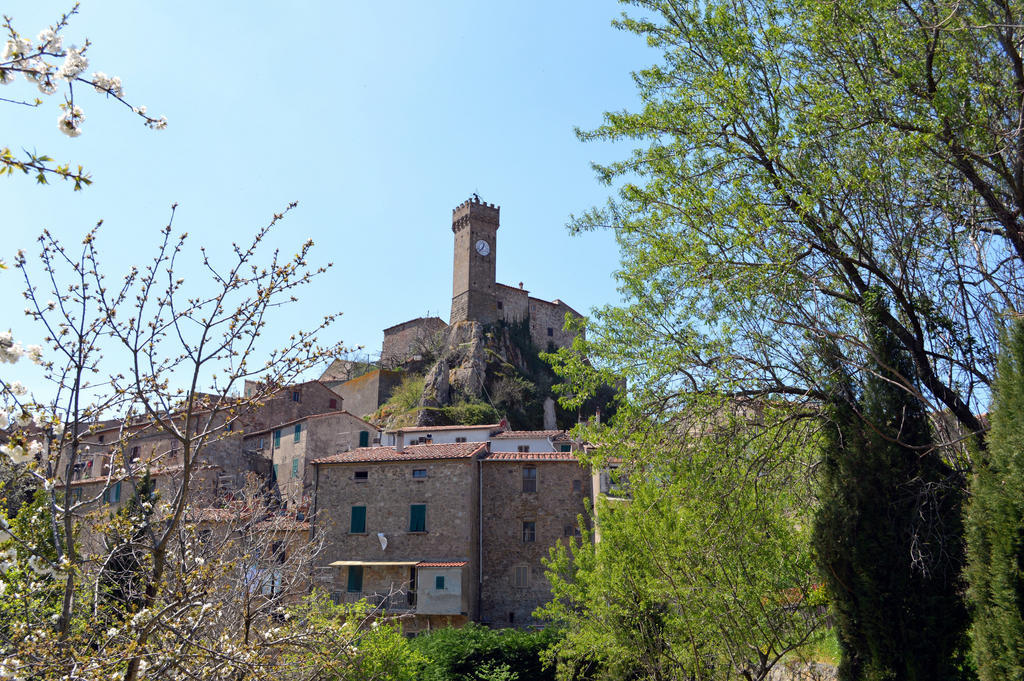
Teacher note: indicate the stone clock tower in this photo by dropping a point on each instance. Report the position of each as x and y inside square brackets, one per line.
[475, 224]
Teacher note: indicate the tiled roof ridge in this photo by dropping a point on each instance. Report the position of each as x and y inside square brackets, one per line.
[411, 429]
[447, 450]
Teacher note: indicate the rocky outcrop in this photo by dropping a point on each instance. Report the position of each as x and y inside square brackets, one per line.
[467, 348]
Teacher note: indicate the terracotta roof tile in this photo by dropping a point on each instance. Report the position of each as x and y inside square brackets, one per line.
[430, 429]
[441, 564]
[529, 434]
[531, 456]
[459, 450]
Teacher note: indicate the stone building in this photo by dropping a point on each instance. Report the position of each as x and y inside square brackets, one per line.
[449, 531]
[401, 528]
[289, 446]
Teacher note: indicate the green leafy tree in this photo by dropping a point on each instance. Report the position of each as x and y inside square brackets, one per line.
[790, 155]
[705, 572]
[888, 535]
[995, 526]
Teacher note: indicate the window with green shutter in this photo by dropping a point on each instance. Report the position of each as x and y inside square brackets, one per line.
[358, 525]
[355, 578]
[565, 448]
[298, 432]
[295, 468]
[277, 438]
[275, 471]
[364, 438]
[114, 494]
[418, 518]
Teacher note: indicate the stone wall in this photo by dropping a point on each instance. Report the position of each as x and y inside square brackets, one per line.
[513, 303]
[449, 492]
[410, 339]
[547, 322]
[553, 508]
[320, 435]
[363, 395]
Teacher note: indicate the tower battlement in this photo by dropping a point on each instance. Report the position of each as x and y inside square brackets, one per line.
[477, 210]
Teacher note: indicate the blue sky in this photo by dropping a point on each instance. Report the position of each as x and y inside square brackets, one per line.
[377, 118]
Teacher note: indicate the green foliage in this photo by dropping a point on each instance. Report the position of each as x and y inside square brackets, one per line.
[705, 573]
[471, 413]
[888, 535]
[476, 653]
[401, 407]
[341, 643]
[995, 526]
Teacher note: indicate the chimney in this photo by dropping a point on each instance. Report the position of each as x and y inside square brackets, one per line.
[399, 440]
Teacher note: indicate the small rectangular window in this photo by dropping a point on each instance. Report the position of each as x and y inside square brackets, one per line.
[523, 448]
[355, 579]
[565, 448]
[419, 473]
[529, 531]
[499, 304]
[262, 443]
[577, 486]
[114, 493]
[134, 455]
[332, 403]
[101, 439]
[277, 438]
[567, 530]
[460, 439]
[361, 476]
[358, 524]
[529, 478]
[551, 332]
[364, 438]
[521, 579]
[295, 468]
[298, 432]
[418, 518]
[296, 396]
[439, 583]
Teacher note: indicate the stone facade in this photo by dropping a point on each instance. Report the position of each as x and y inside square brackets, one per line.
[520, 526]
[547, 322]
[290, 446]
[410, 340]
[384, 546]
[489, 519]
[364, 394]
[475, 225]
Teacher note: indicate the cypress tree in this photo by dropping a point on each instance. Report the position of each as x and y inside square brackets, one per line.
[888, 536]
[995, 526]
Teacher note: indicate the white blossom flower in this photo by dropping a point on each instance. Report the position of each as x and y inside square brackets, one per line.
[74, 64]
[4, 420]
[17, 453]
[47, 87]
[18, 388]
[35, 353]
[104, 83]
[49, 41]
[71, 120]
[35, 69]
[17, 47]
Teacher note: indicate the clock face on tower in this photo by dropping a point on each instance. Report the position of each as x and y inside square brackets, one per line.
[482, 247]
